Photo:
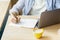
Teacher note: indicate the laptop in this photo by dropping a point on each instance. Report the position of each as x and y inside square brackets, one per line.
[49, 18]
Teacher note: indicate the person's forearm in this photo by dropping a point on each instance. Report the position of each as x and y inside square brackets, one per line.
[17, 7]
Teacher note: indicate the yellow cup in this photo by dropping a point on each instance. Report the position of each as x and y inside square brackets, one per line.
[38, 33]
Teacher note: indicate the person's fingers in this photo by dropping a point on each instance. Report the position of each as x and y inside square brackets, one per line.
[18, 18]
[14, 20]
[15, 15]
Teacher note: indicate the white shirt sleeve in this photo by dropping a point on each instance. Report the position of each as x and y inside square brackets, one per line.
[18, 6]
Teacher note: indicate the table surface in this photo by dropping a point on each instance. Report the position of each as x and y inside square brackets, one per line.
[3, 9]
[18, 33]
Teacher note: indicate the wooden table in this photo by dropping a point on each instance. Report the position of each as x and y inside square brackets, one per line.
[18, 33]
[3, 9]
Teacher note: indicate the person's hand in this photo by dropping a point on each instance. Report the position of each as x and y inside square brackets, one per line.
[15, 18]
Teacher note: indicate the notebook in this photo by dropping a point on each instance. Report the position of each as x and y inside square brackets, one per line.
[28, 23]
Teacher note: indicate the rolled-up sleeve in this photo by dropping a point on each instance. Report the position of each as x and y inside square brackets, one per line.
[52, 4]
[57, 4]
[18, 6]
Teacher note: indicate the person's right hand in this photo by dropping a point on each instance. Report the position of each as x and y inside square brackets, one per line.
[15, 18]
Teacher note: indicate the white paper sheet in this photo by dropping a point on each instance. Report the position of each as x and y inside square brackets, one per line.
[28, 23]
